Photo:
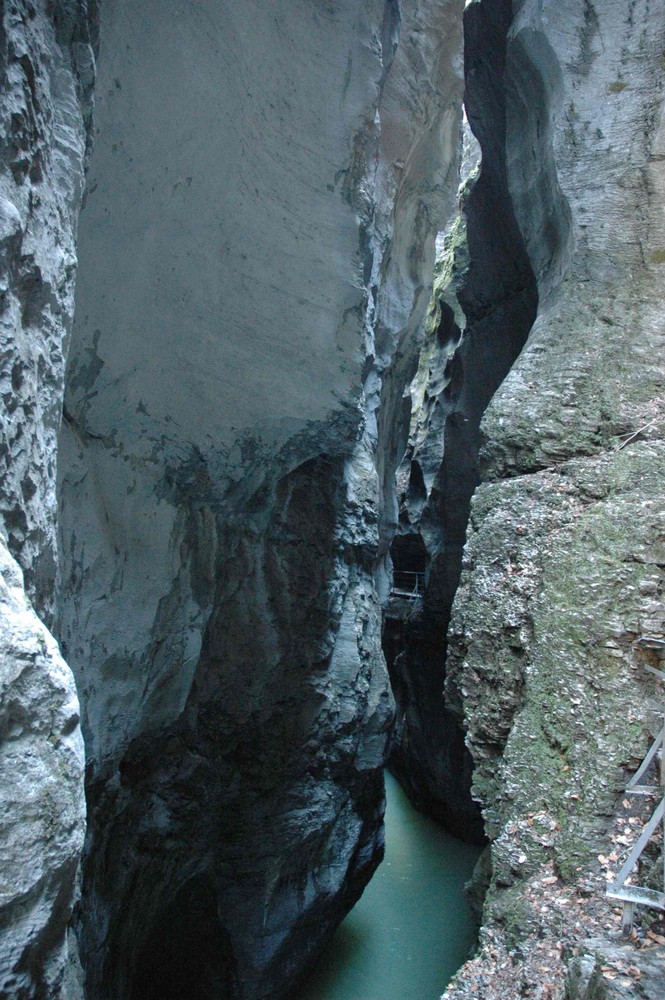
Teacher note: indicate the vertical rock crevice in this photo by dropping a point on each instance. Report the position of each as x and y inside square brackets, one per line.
[563, 565]
[505, 252]
[251, 373]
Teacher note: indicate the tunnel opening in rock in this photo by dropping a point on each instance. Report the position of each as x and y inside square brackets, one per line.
[187, 954]
[417, 492]
[410, 560]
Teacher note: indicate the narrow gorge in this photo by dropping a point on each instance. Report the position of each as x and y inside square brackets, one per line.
[331, 343]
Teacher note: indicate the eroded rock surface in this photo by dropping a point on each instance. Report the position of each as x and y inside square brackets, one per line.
[249, 365]
[256, 249]
[563, 567]
[46, 71]
[42, 808]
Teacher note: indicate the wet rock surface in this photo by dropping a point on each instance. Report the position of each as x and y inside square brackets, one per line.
[248, 795]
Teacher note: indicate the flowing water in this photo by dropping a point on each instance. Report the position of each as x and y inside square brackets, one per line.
[413, 927]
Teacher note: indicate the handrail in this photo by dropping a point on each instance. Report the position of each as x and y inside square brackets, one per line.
[632, 895]
[408, 583]
[637, 895]
[634, 787]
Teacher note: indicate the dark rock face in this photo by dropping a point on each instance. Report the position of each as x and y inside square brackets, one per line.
[187, 953]
[267, 808]
[485, 304]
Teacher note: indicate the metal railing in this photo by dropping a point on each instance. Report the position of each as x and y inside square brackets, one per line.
[408, 584]
[637, 895]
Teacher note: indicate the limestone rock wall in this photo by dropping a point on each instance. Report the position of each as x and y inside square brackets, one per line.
[561, 180]
[46, 73]
[41, 796]
[256, 251]
[486, 295]
[254, 405]
[563, 569]
[47, 67]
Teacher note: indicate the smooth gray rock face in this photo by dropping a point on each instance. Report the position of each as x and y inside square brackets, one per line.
[256, 249]
[46, 67]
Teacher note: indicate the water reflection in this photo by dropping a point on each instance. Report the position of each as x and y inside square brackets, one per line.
[413, 927]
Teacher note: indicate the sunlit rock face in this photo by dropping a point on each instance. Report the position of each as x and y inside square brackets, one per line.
[46, 72]
[41, 796]
[47, 66]
[256, 248]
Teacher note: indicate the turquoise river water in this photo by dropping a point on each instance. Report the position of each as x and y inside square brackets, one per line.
[412, 928]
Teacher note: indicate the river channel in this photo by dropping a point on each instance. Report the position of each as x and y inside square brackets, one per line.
[412, 928]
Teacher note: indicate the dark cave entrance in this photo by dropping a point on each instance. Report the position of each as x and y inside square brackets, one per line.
[410, 561]
[187, 954]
